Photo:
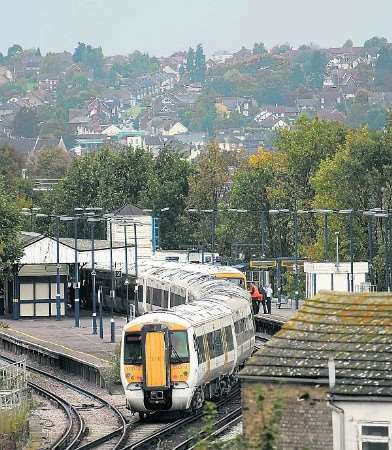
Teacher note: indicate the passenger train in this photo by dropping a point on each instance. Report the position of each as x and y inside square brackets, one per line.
[174, 359]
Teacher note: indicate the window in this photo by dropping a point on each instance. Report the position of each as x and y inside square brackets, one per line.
[157, 297]
[218, 343]
[201, 351]
[179, 347]
[229, 338]
[133, 348]
[375, 437]
[165, 299]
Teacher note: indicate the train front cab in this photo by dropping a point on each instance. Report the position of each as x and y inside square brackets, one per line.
[156, 371]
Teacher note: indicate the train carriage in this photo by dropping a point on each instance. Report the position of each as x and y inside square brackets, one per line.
[175, 359]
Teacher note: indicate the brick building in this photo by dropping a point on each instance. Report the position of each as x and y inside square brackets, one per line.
[324, 382]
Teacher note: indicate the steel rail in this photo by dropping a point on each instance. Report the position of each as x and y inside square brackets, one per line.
[167, 430]
[123, 428]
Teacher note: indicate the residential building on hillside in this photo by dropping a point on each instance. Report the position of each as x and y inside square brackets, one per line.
[29, 145]
[324, 381]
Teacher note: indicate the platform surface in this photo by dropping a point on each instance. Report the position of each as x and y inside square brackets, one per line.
[61, 337]
[284, 313]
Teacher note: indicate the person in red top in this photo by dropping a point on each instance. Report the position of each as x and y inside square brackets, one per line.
[256, 298]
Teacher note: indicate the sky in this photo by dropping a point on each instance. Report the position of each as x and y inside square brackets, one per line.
[161, 27]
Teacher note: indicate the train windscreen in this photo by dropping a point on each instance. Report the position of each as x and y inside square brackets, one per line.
[179, 347]
[133, 348]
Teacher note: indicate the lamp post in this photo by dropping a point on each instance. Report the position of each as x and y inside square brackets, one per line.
[92, 221]
[76, 272]
[350, 213]
[337, 248]
[296, 257]
[113, 288]
[385, 215]
[325, 213]
[370, 214]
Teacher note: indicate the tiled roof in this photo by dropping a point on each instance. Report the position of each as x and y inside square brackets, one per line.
[354, 329]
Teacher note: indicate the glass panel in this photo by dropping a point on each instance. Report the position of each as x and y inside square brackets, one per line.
[42, 291]
[201, 352]
[179, 346]
[375, 446]
[26, 292]
[218, 343]
[133, 349]
[229, 339]
[370, 430]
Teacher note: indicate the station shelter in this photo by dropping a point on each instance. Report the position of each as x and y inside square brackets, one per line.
[336, 277]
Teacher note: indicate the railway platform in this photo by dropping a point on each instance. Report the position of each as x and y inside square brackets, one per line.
[60, 344]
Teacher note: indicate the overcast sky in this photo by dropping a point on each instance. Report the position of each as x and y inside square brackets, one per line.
[161, 27]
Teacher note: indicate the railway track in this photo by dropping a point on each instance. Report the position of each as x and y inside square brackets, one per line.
[166, 436]
[86, 413]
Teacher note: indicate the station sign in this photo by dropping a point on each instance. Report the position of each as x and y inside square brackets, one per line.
[118, 274]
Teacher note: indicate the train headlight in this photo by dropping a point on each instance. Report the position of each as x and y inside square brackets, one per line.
[134, 386]
[180, 385]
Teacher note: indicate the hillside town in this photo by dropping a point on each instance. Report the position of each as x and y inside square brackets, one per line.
[86, 100]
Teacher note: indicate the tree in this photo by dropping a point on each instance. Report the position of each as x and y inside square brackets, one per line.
[10, 223]
[375, 42]
[51, 162]
[13, 51]
[25, 123]
[90, 57]
[314, 68]
[170, 190]
[383, 70]
[259, 49]
[11, 162]
[280, 49]
[199, 70]
[348, 44]
[190, 60]
[309, 143]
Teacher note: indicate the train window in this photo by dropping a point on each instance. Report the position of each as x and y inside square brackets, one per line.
[165, 303]
[179, 347]
[133, 348]
[218, 343]
[229, 339]
[201, 351]
[210, 342]
[157, 297]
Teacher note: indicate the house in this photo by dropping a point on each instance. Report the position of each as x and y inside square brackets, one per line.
[273, 123]
[241, 105]
[331, 115]
[307, 104]
[287, 113]
[29, 145]
[221, 56]
[48, 82]
[324, 381]
[165, 126]
[5, 75]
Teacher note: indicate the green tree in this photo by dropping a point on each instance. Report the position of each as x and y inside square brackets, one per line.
[259, 49]
[383, 70]
[190, 61]
[314, 69]
[14, 50]
[375, 42]
[169, 189]
[199, 70]
[10, 224]
[51, 162]
[348, 44]
[11, 162]
[26, 123]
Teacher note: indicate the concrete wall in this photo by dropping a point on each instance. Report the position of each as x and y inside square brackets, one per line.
[347, 425]
[305, 421]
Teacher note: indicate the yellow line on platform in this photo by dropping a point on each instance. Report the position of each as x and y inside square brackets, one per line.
[57, 345]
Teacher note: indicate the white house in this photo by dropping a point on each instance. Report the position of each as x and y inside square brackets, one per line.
[332, 277]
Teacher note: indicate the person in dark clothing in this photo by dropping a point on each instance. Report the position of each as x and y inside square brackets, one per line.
[256, 297]
[263, 299]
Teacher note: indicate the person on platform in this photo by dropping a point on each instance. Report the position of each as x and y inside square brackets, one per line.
[256, 298]
[268, 297]
[263, 299]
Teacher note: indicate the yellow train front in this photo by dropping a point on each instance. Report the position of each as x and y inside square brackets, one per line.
[173, 360]
[156, 364]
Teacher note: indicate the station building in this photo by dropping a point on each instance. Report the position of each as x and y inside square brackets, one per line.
[32, 290]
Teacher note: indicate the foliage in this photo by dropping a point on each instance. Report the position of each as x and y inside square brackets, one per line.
[51, 162]
[383, 78]
[360, 115]
[259, 49]
[14, 50]
[11, 162]
[195, 67]
[26, 123]
[348, 44]
[375, 42]
[10, 222]
[135, 65]
[90, 57]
